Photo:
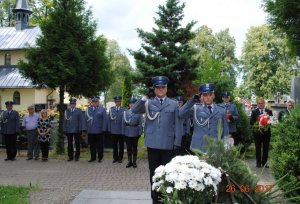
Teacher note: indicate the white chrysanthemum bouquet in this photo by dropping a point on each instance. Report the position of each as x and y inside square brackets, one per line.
[186, 179]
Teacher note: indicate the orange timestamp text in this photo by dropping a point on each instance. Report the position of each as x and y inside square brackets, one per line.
[230, 188]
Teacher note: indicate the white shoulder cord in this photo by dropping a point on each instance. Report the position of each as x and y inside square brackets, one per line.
[88, 116]
[125, 119]
[2, 119]
[111, 117]
[66, 116]
[205, 122]
[148, 114]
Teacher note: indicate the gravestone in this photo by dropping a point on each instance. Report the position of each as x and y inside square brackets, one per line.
[295, 90]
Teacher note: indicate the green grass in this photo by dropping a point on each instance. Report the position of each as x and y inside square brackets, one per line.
[15, 194]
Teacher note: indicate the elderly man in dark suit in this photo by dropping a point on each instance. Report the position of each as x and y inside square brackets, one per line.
[261, 136]
[284, 113]
[10, 127]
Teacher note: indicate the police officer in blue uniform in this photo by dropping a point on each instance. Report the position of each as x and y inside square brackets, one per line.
[231, 115]
[115, 128]
[10, 127]
[185, 123]
[72, 128]
[95, 124]
[206, 117]
[132, 130]
[162, 126]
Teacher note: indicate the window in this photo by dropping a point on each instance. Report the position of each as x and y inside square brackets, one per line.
[16, 97]
[7, 60]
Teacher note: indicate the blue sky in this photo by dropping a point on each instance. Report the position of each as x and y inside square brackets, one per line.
[118, 19]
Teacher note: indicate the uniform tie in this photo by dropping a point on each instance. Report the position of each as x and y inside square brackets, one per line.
[209, 108]
[117, 109]
[261, 111]
[161, 101]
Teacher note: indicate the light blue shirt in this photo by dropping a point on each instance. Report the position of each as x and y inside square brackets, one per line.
[30, 122]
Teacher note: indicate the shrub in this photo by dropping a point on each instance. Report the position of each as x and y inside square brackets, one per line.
[285, 156]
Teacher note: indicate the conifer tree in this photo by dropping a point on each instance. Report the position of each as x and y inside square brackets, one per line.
[68, 55]
[126, 91]
[165, 50]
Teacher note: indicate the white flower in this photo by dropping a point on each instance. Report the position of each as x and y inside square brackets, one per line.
[180, 185]
[169, 190]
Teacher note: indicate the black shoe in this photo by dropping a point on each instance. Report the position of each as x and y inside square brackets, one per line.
[265, 165]
[76, 159]
[114, 161]
[91, 160]
[120, 161]
[29, 159]
[99, 160]
[258, 165]
[7, 159]
[70, 159]
[13, 159]
[129, 164]
[134, 165]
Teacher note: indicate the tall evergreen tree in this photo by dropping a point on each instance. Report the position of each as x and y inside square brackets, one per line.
[126, 91]
[68, 55]
[165, 50]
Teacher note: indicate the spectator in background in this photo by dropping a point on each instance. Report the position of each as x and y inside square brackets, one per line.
[44, 137]
[30, 123]
[285, 113]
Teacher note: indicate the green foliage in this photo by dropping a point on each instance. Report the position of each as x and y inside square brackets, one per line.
[217, 61]
[243, 127]
[14, 194]
[120, 67]
[68, 54]
[284, 15]
[165, 50]
[236, 175]
[285, 155]
[7, 17]
[40, 9]
[265, 63]
[126, 91]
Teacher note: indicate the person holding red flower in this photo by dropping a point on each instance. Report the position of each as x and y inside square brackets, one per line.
[260, 121]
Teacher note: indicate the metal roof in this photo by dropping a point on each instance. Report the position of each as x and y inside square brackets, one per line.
[13, 39]
[10, 77]
[22, 4]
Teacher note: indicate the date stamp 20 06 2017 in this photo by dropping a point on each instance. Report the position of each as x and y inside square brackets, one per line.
[246, 188]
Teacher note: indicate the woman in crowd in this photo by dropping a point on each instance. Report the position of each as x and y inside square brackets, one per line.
[44, 128]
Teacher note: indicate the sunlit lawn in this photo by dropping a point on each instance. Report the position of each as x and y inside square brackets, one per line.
[15, 194]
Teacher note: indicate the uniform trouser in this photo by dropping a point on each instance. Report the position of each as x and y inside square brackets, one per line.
[118, 146]
[236, 137]
[262, 140]
[185, 145]
[11, 145]
[33, 145]
[96, 145]
[76, 137]
[44, 148]
[131, 144]
[157, 157]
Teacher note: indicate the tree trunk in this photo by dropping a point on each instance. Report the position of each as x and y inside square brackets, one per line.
[60, 149]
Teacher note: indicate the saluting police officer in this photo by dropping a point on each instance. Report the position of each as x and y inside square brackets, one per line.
[206, 117]
[185, 123]
[95, 123]
[132, 130]
[115, 128]
[10, 127]
[72, 128]
[162, 126]
[231, 115]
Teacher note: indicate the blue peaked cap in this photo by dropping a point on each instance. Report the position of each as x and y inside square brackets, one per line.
[205, 88]
[118, 98]
[160, 81]
[226, 94]
[9, 103]
[132, 100]
[95, 99]
[72, 100]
